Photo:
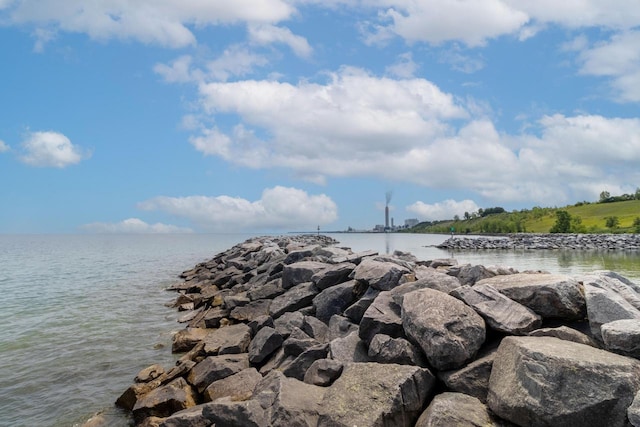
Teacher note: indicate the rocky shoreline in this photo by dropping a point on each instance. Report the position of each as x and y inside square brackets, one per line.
[295, 331]
[531, 241]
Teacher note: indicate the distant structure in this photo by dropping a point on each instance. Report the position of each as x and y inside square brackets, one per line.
[411, 222]
[386, 210]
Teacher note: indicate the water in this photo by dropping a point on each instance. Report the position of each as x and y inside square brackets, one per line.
[82, 314]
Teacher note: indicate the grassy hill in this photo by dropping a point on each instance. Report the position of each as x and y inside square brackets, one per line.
[586, 218]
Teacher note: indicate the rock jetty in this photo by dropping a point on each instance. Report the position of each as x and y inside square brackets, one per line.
[629, 242]
[295, 331]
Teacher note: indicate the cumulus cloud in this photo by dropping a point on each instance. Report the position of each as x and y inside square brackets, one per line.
[265, 34]
[442, 210]
[50, 149]
[133, 226]
[166, 23]
[3, 146]
[278, 208]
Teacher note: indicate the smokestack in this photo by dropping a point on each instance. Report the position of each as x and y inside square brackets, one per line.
[386, 216]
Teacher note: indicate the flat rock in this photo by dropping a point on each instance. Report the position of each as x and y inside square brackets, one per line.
[250, 311]
[501, 313]
[564, 333]
[300, 272]
[297, 297]
[237, 386]
[543, 381]
[622, 337]
[448, 331]
[549, 295]
[379, 275]
[215, 368]
[373, 394]
[185, 339]
[232, 339]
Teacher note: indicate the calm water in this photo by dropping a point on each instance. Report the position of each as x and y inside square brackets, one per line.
[82, 314]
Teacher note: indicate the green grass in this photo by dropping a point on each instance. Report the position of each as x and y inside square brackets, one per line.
[540, 220]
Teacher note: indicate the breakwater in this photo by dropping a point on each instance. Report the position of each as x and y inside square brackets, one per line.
[607, 242]
[296, 331]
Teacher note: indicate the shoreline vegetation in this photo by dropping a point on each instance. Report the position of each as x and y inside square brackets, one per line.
[298, 331]
[611, 215]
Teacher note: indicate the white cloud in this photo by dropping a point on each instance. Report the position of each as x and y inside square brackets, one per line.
[133, 226]
[278, 208]
[265, 34]
[442, 210]
[438, 21]
[619, 59]
[163, 22]
[178, 71]
[404, 68]
[3, 146]
[50, 149]
[461, 62]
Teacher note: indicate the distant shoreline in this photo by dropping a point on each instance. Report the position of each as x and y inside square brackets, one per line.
[531, 241]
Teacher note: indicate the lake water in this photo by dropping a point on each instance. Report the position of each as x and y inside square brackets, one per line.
[82, 314]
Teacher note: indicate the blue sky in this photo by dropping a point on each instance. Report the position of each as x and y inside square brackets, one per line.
[279, 115]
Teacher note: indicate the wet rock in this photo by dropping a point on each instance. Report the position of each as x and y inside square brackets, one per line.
[164, 401]
[334, 300]
[550, 295]
[542, 381]
[297, 297]
[373, 394]
[448, 331]
[501, 313]
[384, 349]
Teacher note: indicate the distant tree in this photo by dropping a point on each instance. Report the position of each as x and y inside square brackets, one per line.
[636, 225]
[637, 195]
[492, 211]
[467, 216]
[576, 225]
[563, 222]
[456, 217]
[605, 196]
[612, 222]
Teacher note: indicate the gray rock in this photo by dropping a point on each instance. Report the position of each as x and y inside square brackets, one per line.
[300, 272]
[471, 274]
[427, 277]
[460, 410]
[373, 394]
[471, 379]
[501, 313]
[299, 366]
[334, 300]
[237, 386]
[384, 349]
[332, 275]
[165, 400]
[448, 331]
[260, 322]
[297, 297]
[323, 372]
[287, 401]
[609, 299]
[266, 341]
[564, 333]
[622, 337]
[149, 373]
[382, 317]
[232, 339]
[549, 295]
[288, 322]
[356, 310]
[190, 417]
[315, 328]
[185, 339]
[340, 327]
[543, 381]
[267, 291]
[298, 342]
[215, 368]
[349, 349]
[298, 254]
[225, 412]
[379, 275]
[633, 412]
[250, 311]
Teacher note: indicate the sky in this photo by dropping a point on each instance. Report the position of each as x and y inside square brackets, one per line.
[161, 116]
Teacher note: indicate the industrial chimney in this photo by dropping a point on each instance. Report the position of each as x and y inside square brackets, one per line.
[386, 210]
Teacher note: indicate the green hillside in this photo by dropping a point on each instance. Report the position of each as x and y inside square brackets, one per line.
[585, 218]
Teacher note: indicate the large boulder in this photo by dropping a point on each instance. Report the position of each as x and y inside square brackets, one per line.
[384, 349]
[564, 333]
[622, 337]
[266, 341]
[378, 274]
[226, 412]
[164, 401]
[237, 386]
[300, 272]
[501, 313]
[427, 277]
[376, 395]
[349, 349]
[448, 331]
[334, 300]
[289, 402]
[185, 339]
[215, 368]
[460, 410]
[609, 299]
[251, 311]
[549, 295]
[382, 317]
[332, 275]
[297, 297]
[232, 339]
[543, 381]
